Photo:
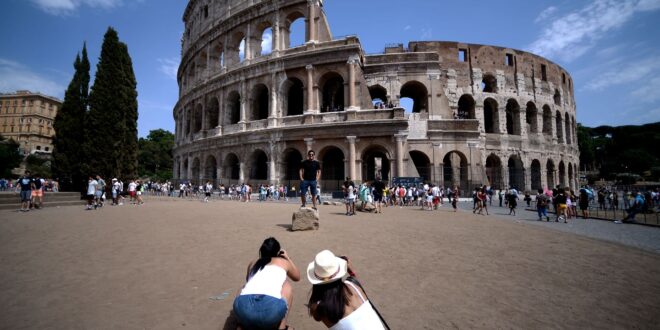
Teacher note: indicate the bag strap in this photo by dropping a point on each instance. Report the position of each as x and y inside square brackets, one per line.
[356, 282]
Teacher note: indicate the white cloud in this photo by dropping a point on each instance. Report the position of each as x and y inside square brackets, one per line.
[267, 42]
[546, 13]
[427, 34]
[573, 34]
[407, 27]
[65, 7]
[16, 76]
[633, 72]
[169, 66]
[648, 91]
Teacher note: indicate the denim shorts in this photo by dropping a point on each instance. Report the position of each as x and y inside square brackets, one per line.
[26, 195]
[311, 184]
[258, 311]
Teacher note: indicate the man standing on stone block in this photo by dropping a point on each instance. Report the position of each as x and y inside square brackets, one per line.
[310, 173]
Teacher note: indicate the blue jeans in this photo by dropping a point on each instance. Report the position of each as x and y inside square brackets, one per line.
[311, 184]
[258, 311]
[542, 210]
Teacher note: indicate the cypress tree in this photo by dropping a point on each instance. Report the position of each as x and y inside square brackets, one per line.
[111, 123]
[68, 125]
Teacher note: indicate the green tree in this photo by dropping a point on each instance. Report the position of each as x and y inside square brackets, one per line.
[39, 165]
[111, 124]
[586, 146]
[155, 155]
[69, 127]
[10, 157]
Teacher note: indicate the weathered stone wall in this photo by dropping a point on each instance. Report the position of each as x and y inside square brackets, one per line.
[481, 114]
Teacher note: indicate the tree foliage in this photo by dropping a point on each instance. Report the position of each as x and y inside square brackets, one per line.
[10, 157]
[155, 155]
[68, 124]
[631, 150]
[111, 125]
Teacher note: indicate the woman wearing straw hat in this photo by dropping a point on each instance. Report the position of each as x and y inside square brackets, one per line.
[265, 299]
[338, 300]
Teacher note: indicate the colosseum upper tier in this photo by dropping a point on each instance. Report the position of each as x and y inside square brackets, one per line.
[478, 114]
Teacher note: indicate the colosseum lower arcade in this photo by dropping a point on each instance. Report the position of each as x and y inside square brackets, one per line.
[478, 114]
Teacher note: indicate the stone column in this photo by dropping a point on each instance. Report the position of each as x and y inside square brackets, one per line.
[351, 155]
[351, 83]
[248, 42]
[189, 169]
[400, 140]
[224, 53]
[527, 171]
[272, 117]
[310, 88]
[242, 122]
[311, 21]
[241, 171]
[276, 34]
[309, 143]
[208, 61]
[501, 118]
[204, 119]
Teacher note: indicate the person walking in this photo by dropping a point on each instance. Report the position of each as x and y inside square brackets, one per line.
[542, 202]
[310, 173]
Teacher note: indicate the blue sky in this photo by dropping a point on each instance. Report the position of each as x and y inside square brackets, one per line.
[610, 47]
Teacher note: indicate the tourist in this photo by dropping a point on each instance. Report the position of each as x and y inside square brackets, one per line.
[37, 192]
[132, 186]
[512, 200]
[379, 191]
[91, 192]
[208, 189]
[116, 190]
[266, 298]
[139, 190]
[100, 190]
[500, 194]
[350, 198]
[25, 183]
[637, 207]
[542, 205]
[583, 201]
[310, 173]
[337, 299]
[560, 202]
[455, 194]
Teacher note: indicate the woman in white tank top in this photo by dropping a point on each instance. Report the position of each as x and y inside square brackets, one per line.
[335, 300]
[265, 299]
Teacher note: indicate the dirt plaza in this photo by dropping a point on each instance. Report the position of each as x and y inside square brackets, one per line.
[178, 263]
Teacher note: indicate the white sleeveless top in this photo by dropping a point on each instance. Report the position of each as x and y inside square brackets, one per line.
[268, 281]
[364, 317]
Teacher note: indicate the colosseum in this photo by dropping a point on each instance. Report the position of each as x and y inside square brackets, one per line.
[477, 114]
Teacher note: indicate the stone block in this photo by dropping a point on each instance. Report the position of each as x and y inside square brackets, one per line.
[305, 218]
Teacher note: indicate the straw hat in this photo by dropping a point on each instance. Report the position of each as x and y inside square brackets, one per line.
[326, 268]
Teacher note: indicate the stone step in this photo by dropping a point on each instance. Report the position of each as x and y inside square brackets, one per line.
[13, 197]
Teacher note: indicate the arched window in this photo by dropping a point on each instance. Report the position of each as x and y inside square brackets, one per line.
[232, 167]
[491, 116]
[293, 93]
[567, 130]
[198, 119]
[233, 108]
[378, 95]
[217, 56]
[264, 46]
[516, 173]
[465, 107]
[557, 97]
[547, 120]
[536, 175]
[259, 165]
[558, 126]
[494, 171]
[260, 102]
[489, 83]
[418, 93]
[333, 92]
[375, 163]
[512, 117]
[212, 113]
[294, 30]
[531, 118]
[422, 164]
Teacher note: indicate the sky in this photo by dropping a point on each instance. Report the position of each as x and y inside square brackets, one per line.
[611, 48]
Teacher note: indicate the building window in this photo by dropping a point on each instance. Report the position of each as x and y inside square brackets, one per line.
[508, 60]
[544, 75]
[38, 147]
[462, 55]
[206, 11]
[46, 149]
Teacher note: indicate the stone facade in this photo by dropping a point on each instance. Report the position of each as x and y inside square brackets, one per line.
[27, 118]
[480, 115]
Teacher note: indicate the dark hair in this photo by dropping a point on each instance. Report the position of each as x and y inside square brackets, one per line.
[540, 191]
[330, 299]
[269, 248]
